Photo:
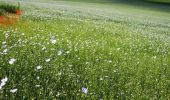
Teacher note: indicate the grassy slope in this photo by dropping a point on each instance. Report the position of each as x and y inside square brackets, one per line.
[116, 51]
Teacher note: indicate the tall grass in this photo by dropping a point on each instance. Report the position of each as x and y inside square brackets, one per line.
[8, 8]
[67, 53]
[160, 1]
[2, 12]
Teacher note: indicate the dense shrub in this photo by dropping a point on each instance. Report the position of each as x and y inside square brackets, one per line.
[8, 8]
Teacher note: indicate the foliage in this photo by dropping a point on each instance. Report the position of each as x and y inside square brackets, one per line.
[2, 12]
[8, 8]
[160, 1]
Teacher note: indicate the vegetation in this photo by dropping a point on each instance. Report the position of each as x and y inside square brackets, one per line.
[64, 50]
[160, 1]
[8, 8]
[2, 12]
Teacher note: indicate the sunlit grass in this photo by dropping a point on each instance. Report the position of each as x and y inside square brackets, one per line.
[67, 53]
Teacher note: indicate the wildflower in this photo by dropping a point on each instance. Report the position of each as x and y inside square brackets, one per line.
[3, 82]
[67, 52]
[154, 57]
[18, 12]
[84, 90]
[118, 49]
[109, 61]
[43, 48]
[87, 63]
[59, 73]
[1, 19]
[13, 90]
[37, 85]
[47, 60]
[4, 45]
[6, 35]
[39, 67]
[5, 51]
[3, 42]
[59, 52]
[70, 65]
[38, 78]
[22, 33]
[58, 94]
[11, 61]
[53, 40]
[101, 79]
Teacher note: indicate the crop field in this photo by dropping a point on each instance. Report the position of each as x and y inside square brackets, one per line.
[74, 50]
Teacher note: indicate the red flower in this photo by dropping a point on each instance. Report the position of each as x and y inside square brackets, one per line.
[1, 19]
[18, 12]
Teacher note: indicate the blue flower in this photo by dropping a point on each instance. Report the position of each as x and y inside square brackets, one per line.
[84, 90]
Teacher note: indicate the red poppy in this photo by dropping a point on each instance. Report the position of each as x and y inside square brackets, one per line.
[18, 12]
[1, 19]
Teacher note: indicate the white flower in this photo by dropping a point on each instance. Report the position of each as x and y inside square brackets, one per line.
[59, 52]
[59, 73]
[5, 51]
[47, 60]
[4, 80]
[2, 84]
[101, 79]
[154, 57]
[11, 61]
[53, 40]
[39, 67]
[38, 78]
[4, 45]
[6, 35]
[84, 90]
[3, 42]
[37, 85]
[13, 90]
[67, 52]
[43, 48]
[22, 33]
[70, 65]
[118, 49]
[109, 61]
[58, 94]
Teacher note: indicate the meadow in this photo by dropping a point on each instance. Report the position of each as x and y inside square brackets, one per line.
[72, 50]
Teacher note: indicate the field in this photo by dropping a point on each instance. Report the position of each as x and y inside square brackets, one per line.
[65, 50]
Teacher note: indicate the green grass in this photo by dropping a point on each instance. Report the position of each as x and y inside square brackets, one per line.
[2, 12]
[115, 50]
[7, 8]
